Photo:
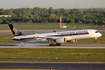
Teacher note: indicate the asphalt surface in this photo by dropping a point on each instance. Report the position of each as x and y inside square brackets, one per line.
[65, 66]
[47, 46]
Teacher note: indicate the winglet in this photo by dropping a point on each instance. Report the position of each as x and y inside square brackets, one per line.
[14, 30]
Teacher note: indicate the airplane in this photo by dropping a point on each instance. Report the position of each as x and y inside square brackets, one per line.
[55, 38]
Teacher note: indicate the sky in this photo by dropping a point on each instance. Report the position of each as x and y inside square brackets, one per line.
[67, 4]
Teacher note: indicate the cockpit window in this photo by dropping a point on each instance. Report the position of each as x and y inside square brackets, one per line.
[97, 32]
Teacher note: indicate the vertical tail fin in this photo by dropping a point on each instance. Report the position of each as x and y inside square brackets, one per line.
[14, 30]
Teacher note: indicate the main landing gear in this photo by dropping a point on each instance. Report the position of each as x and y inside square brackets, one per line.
[54, 44]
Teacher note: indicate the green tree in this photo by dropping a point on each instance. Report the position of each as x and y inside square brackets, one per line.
[95, 10]
[85, 11]
[69, 16]
[8, 12]
[59, 14]
[5, 21]
[89, 21]
[83, 20]
[38, 15]
[19, 14]
[30, 21]
[54, 20]
[29, 10]
[52, 15]
[79, 21]
[15, 11]
[36, 11]
[1, 11]
[66, 20]
[1, 21]
[30, 16]
[44, 11]
[71, 21]
[23, 11]
[50, 10]
[46, 21]
[46, 15]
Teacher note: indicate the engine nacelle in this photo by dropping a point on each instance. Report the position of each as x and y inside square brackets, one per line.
[75, 40]
[60, 40]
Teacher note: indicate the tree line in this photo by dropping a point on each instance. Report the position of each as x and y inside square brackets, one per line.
[44, 15]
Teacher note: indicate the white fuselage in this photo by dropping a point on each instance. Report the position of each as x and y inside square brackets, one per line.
[69, 35]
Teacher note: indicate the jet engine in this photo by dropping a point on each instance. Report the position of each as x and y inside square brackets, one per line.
[60, 40]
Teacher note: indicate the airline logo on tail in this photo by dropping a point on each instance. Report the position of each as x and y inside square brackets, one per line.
[14, 30]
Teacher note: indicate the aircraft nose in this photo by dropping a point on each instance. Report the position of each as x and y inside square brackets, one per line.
[100, 34]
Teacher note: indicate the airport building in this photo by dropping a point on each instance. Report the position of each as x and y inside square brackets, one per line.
[5, 15]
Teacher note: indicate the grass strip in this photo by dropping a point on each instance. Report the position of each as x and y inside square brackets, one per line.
[52, 55]
[51, 26]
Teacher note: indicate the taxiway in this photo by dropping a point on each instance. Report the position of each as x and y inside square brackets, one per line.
[64, 66]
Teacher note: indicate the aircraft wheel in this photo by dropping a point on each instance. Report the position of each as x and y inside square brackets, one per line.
[52, 44]
[58, 44]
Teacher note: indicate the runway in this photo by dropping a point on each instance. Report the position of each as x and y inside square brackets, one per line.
[47, 46]
[64, 66]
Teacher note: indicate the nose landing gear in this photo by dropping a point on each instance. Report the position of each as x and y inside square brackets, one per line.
[95, 40]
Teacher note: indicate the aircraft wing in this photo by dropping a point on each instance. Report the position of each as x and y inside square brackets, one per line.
[38, 39]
